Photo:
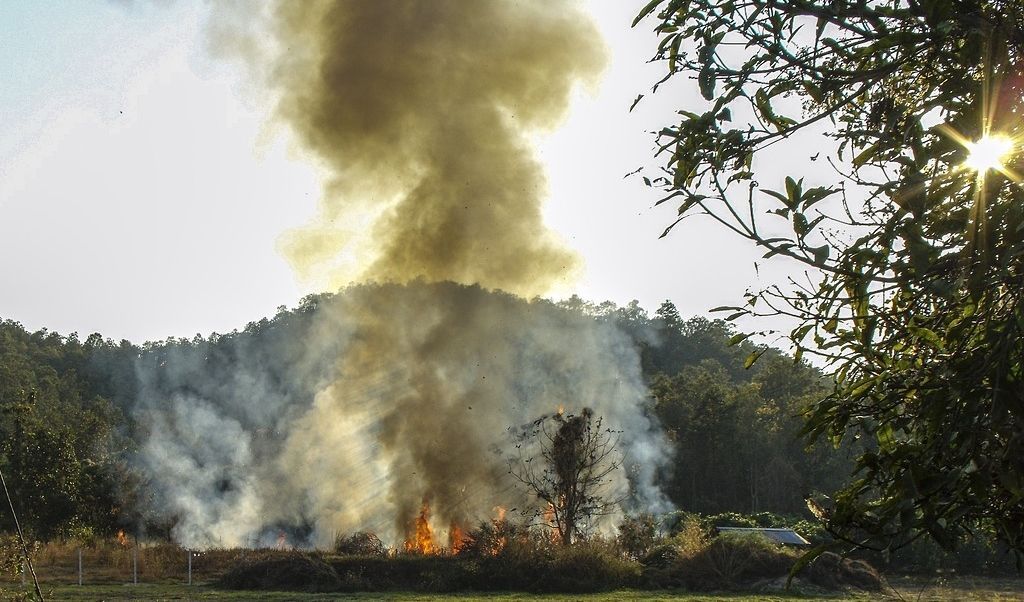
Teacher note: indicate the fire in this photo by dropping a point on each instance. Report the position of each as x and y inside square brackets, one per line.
[122, 539]
[500, 527]
[561, 409]
[456, 538]
[422, 541]
[282, 540]
[549, 520]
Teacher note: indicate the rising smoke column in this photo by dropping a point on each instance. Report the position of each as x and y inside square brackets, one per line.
[433, 379]
[421, 110]
[347, 412]
[391, 395]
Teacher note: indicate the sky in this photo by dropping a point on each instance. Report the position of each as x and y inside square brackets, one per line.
[143, 194]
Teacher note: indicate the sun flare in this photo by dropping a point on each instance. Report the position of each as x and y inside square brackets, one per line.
[988, 153]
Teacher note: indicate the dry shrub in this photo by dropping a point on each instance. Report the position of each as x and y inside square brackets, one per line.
[531, 562]
[110, 561]
[659, 563]
[520, 563]
[359, 544]
[835, 572]
[592, 566]
[490, 538]
[296, 571]
[55, 553]
[691, 538]
[10, 555]
[17, 595]
[729, 561]
[637, 535]
[735, 558]
[404, 572]
[732, 561]
[162, 561]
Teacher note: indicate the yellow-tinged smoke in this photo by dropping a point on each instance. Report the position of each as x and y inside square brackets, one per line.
[421, 111]
[354, 409]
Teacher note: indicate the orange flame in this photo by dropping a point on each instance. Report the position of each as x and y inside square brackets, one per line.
[500, 527]
[549, 520]
[423, 540]
[122, 539]
[456, 538]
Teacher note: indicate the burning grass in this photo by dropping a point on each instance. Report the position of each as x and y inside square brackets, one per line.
[498, 555]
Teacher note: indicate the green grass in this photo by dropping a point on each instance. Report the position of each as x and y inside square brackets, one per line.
[967, 589]
[964, 588]
[182, 592]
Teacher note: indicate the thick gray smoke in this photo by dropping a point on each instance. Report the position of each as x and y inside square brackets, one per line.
[387, 396]
[347, 416]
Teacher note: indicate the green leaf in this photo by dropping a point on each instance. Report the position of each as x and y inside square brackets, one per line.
[806, 559]
[865, 155]
[820, 253]
[753, 357]
[778, 195]
[646, 10]
[926, 335]
[738, 338]
[723, 308]
[793, 190]
[800, 224]
[813, 195]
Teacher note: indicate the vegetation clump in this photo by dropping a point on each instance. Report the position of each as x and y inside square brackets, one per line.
[297, 572]
[359, 544]
[910, 248]
[533, 562]
[834, 572]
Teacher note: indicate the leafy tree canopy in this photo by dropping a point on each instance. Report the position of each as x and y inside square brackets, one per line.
[912, 248]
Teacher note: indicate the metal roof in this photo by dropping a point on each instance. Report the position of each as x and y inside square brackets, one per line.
[783, 536]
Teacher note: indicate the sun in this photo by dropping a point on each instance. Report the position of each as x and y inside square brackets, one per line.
[988, 153]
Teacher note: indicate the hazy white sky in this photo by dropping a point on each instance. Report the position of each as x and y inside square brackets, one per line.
[142, 195]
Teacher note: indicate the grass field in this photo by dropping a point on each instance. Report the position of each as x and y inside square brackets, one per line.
[178, 592]
[162, 572]
[909, 589]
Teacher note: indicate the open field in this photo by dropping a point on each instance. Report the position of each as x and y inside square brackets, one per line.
[910, 589]
[179, 592]
[163, 574]
[965, 588]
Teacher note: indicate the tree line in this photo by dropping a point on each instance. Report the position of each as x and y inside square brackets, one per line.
[68, 434]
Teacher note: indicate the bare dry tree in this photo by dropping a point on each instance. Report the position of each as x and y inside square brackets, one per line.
[566, 461]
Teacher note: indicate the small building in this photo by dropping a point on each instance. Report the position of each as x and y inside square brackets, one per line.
[787, 537]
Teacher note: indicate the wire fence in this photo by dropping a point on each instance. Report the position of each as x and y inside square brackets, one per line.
[69, 564]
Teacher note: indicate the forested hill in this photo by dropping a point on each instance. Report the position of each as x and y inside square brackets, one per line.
[69, 432]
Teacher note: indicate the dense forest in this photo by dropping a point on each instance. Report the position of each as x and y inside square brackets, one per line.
[72, 409]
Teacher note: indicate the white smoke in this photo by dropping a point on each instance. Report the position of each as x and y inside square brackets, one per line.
[356, 411]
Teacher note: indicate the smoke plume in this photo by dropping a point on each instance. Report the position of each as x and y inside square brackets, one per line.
[347, 413]
[420, 111]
